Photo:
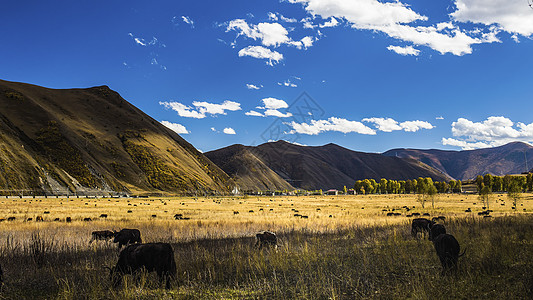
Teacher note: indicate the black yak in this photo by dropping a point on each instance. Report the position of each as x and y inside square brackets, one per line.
[420, 225]
[436, 230]
[102, 235]
[447, 248]
[126, 236]
[158, 257]
[266, 238]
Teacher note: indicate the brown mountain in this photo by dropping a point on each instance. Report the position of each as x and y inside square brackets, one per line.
[322, 167]
[92, 140]
[463, 165]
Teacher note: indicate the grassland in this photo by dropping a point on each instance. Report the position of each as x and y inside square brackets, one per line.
[346, 248]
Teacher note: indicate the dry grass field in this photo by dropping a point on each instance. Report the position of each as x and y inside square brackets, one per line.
[345, 248]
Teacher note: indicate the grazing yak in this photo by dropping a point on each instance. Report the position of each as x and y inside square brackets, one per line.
[102, 235]
[158, 257]
[447, 248]
[266, 238]
[420, 225]
[126, 236]
[436, 230]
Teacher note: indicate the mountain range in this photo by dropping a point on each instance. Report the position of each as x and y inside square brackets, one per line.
[92, 141]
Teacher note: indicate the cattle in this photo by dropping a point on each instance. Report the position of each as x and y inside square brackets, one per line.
[102, 235]
[235, 212]
[39, 219]
[422, 225]
[87, 219]
[158, 257]
[68, 219]
[447, 248]
[104, 216]
[126, 236]
[436, 230]
[266, 238]
[11, 219]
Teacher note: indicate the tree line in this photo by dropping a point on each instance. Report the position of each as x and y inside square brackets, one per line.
[417, 186]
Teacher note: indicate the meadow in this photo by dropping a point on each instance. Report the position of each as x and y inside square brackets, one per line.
[346, 247]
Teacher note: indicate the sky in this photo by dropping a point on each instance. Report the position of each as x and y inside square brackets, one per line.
[369, 75]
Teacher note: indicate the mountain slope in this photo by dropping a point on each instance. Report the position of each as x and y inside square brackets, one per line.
[329, 166]
[247, 170]
[92, 140]
[463, 165]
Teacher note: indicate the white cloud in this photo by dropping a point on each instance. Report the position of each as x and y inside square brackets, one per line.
[272, 16]
[331, 124]
[229, 130]
[288, 83]
[140, 41]
[253, 86]
[202, 108]
[439, 118]
[270, 34]
[188, 20]
[271, 108]
[464, 145]
[254, 113]
[399, 21]
[273, 103]
[389, 124]
[215, 109]
[262, 53]
[183, 110]
[276, 113]
[178, 128]
[508, 15]
[407, 50]
[331, 23]
[213, 129]
[494, 131]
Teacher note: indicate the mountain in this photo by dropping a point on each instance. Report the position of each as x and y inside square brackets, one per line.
[247, 169]
[322, 167]
[463, 165]
[93, 141]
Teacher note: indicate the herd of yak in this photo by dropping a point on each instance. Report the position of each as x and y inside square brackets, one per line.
[159, 257]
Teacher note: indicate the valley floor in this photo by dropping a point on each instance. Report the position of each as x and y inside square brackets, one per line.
[347, 247]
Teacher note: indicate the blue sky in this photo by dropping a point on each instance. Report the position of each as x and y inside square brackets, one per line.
[366, 74]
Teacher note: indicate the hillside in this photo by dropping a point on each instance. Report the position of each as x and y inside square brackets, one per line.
[463, 165]
[93, 141]
[323, 167]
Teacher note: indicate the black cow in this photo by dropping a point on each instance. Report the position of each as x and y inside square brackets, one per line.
[126, 236]
[158, 257]
[266, 238]
[102, 235]
[436, 230]
[447, 248]
[420, 225]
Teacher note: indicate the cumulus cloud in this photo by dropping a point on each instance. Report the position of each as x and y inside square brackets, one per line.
[253, 86]
[494, 131]
[262, 53]
[510, 16]
[271, 108]
[407, 50]
[389, 124]
[201, 108]
[183, 110]
[401, 22]
[178, 128]
[332, 124]
[270, 34]
[229, 130]
[331, 23]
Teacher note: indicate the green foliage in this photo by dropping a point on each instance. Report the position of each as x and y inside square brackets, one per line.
[61, 152]
[484, 195]
[514, 191]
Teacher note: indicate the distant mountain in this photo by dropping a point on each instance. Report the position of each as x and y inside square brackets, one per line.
[463, 165]
[93, 141]
[322, 167]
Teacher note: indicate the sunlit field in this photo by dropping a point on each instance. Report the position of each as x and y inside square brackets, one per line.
[335, 247]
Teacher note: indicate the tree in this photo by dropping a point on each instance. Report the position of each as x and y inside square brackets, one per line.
[479, 182]
[383, 186]
[484, 195]
[514, 192]
[529, 180]
[452, 185]
[488, 180]
[345, 191]
[426, 191]
[497, 185]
